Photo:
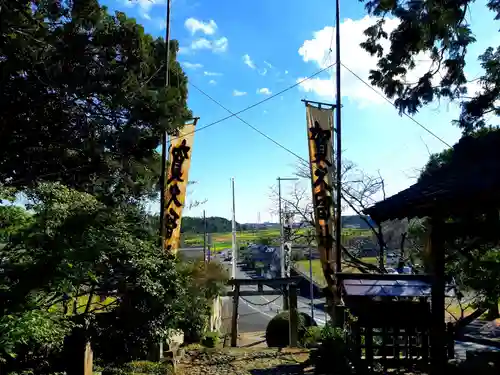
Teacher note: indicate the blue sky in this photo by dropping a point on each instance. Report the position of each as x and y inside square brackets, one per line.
[240, 51]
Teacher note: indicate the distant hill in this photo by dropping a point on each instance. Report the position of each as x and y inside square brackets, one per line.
[356, 221]
[223, 225]
[214, 225]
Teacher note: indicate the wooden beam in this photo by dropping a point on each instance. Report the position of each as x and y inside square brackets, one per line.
[234, 325]
[269, 282]
[294, 317]
[437, 264]
[252, 293]
[382, 276]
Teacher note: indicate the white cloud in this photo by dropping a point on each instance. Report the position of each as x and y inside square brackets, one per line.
[146, 16]
[194, 25]
[212, 81]
[269, 65]
[264, 91]
[317, 51]
[248, 61]
[238, 93]
[263, 72]
[189, 65]
[218, 45]
[211, 74]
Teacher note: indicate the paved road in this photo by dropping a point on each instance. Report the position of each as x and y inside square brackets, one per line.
[257, 311]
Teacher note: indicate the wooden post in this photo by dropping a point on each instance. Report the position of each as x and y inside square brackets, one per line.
[294, 318]
[438, 331]
[234, 325]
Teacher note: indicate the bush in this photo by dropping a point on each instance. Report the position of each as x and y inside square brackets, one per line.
[312, 337]
[277, 331]
[211, 340]
[332, 353]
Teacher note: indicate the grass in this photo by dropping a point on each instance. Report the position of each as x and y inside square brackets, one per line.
[224, 240]
[317, 270]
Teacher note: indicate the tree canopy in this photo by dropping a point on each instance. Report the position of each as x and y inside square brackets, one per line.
[83, 98]
[440, 29]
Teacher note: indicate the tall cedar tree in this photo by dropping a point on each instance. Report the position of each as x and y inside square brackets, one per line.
[83, 98]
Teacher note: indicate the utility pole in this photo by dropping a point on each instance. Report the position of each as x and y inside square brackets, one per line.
[338, 217]
[234, 233]
[282, 248]
[163, 176]
[204, 237]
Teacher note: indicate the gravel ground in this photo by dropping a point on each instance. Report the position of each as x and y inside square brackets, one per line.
[234, 361]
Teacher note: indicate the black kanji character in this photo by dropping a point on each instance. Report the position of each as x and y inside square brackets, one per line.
[321, 173]
[321, 138]
[323, 205]
[171, 223]
[174, 193]
[179, 154]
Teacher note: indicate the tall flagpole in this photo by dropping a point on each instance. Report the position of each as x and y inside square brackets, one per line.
[338, 217]
[163, 176]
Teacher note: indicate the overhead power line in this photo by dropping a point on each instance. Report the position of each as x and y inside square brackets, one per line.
[388, 101]
[262, 133]
[235, 114]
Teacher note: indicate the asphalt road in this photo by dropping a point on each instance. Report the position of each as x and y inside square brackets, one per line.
[255, 312]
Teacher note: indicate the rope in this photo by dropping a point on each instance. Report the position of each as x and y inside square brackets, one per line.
[259, 304]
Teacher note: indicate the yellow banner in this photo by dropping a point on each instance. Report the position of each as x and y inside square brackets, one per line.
[319, 134]
[179, 161]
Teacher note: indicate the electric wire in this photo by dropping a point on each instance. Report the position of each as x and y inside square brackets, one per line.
[235, 114]
[390, 102]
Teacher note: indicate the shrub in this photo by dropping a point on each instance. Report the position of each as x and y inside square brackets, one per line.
[277, 331]
[331, 356]
[211, 339]
[312, 336]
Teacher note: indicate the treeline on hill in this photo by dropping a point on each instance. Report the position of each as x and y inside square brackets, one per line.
[214, 225]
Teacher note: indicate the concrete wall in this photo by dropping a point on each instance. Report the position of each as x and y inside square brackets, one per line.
[220, 318]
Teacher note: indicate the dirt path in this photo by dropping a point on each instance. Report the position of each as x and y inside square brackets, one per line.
[244, 361]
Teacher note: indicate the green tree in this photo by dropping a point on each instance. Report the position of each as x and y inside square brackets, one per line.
[441, 29]
[77, 252]
[83, 97]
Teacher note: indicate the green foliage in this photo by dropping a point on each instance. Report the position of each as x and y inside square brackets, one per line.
[331, 356]
[32, 334]
[75, 249]
[204, 282]
[277, 331]
[441, 29]
[211, 339]
[214, 225]
[312, 336]
[83, 96]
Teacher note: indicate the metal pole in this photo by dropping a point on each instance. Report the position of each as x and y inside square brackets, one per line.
[311, 285]
[233, 234]
[282, 252]
[338, 217]
[204, 237]
[163, 176]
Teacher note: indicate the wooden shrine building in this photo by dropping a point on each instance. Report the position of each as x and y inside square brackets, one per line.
[451, 196]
